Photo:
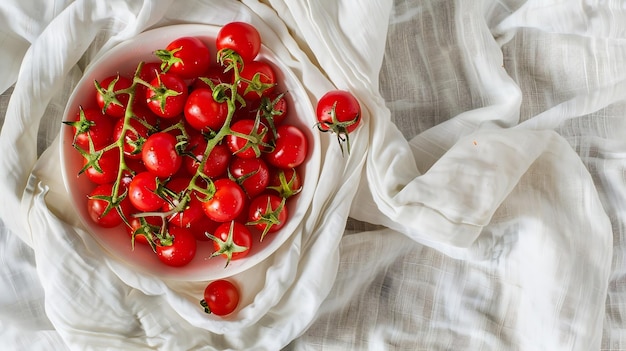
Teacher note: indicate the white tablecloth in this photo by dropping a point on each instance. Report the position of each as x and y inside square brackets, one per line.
[482, 207]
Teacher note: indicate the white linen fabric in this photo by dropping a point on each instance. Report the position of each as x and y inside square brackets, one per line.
[484, 193]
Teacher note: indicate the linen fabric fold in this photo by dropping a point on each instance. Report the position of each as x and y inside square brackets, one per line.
[496, 197]
[92, 299]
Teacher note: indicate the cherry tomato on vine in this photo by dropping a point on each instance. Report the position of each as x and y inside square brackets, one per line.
[188, 57]
[192, 210]
[338, 111]
[91, 124]
[286, 182]
[217, 163]
[221, 297]
[111, 103]
[231, 240]
[180, 251]
[227, 203]
[291, 147]
[160, 155]
[249, 139]
[252, 174]
[267, 213]
[241, 37]
[167, 95]
[142, 192]
[108, 164]
[203, 113]
[103, 211]
[257, 79]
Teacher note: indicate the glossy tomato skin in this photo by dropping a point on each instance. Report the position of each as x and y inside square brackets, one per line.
[114, 83]
[203, 113]
[96, 207]
[142, 192]
[244, 148]
[160, 155]
[232, 234]
[251, 173]
[261, 206]
[258, 79]
[189, 57]
[193, 210]
[227, 202]
[285, 182]
[171, 89]
[93, 124]
[221, 297]
[346, 110]
[217, 163]
[182, 249]
[241, 37]
[109, 164]
[291, 147]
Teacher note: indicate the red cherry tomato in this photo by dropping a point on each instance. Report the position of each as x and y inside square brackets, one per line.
[339, 112]
[112, 103]
[203, 113]
[142, 192]
[285, 182]
[252, 174]
[188, 57]
[338, 108]
[227, 203]
[241, 37]
[180, 251]
[167, 95]
[257, 79]
[217, 163]
[291, 147]
[191, 212]
[221, 297]
[251, 139]
[160, 155]
[108, 164]
[101, 209]
[267, 213]
[91, 124]
[231, 240]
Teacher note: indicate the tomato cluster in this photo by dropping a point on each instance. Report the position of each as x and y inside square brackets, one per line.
[192, 148]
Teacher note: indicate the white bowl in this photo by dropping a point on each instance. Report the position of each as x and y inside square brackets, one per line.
[123, 59]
